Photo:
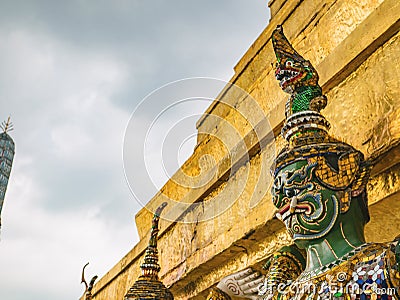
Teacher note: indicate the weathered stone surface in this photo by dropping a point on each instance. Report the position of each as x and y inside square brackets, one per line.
[275, 6]
[356, 53]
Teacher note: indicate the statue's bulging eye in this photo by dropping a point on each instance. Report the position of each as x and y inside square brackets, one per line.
[289, 193]
[289, 63]
[277, 183]
[292, 192]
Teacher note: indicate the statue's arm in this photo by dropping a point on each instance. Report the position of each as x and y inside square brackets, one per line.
[283, 267]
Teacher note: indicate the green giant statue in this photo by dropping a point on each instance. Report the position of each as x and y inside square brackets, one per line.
[319, 191]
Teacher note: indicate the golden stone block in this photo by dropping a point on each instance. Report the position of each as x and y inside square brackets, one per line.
[355, 46]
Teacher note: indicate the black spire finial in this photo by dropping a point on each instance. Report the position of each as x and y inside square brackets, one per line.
[88, 287]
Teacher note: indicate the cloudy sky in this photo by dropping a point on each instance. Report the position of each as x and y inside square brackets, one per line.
[71, 74]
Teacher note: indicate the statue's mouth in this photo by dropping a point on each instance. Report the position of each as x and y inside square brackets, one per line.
[287, 76]
[301, 208]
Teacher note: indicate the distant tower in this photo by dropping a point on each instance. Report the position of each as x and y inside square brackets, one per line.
[7, 150]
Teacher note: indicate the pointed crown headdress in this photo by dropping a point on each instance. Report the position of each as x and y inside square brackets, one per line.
[340, 166]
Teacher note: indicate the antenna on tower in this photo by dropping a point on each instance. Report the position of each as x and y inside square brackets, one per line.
[7, 125]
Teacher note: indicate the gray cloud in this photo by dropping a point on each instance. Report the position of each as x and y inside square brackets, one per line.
[72, 73]
[158, 42]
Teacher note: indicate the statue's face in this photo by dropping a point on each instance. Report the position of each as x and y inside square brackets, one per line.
[308, 209]
[292, 74]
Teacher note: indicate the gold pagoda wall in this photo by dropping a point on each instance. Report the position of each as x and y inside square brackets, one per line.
[355, 46]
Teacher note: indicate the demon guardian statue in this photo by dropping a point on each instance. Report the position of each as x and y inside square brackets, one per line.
[319, 191]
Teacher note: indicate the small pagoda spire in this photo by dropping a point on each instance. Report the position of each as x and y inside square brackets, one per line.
[150, 267]
[148, 285]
